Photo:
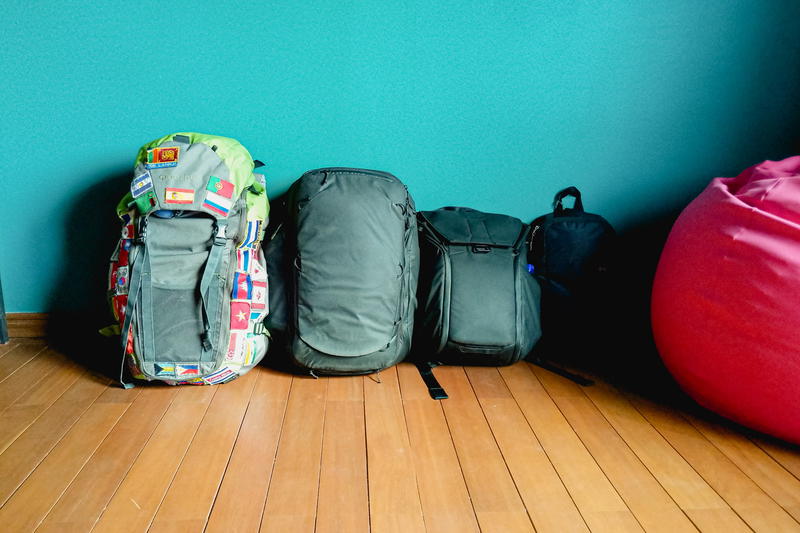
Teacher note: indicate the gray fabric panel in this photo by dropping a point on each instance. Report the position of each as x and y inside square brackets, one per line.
[307, 357]
[179, 249]
[350, 235]
[482, 297]
[434, 292]
[275, 253]
[480, 306]
[196, 163]
[464, 225]
[178, 331]
[529, 293]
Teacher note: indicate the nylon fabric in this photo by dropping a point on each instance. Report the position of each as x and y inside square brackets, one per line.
[354, 268]
[480, 306]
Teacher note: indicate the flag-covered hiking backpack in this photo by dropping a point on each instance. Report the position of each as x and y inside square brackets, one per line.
[188, 281]
[479, 305]
[352, 255]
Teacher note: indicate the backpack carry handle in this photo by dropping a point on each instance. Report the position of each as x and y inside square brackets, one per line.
[573, 191]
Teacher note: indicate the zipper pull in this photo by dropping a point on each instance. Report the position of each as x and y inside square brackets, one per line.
[530, 239]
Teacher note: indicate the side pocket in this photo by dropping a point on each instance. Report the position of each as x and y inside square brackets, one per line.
[528, 310]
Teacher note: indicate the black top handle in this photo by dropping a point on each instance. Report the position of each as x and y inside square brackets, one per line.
[573, 191]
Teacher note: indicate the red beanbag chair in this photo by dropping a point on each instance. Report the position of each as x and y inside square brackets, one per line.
[726, 298]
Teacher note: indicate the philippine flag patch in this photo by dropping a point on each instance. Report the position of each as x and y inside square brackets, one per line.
[187, 370]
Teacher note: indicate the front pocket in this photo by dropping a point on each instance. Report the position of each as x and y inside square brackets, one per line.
[171, 310]
[350, 266]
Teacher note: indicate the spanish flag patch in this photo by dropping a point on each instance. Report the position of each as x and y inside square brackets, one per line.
[178, 196]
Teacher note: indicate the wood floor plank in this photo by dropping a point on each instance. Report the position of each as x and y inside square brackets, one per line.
[596, 498]
[39, 492]
[191, 494]
[495, 498]
[547, 500]
[707, 510]
[644, 495]
[787, 455]
[773, 479]
[343, 504]
[17, 356]
[34, 402]
[7, 347]
[393, 495]
[139, 495]
[240, 501]
[21, 378]
[446, 504]
[27, 451]
[292, 497]
[84, 500]
[751, 503]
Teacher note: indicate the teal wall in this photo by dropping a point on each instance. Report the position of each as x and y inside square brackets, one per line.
[493, 105]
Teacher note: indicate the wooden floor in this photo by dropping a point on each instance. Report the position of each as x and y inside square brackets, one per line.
[514, 449]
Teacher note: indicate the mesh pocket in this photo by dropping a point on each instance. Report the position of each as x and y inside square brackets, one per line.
[177, 325]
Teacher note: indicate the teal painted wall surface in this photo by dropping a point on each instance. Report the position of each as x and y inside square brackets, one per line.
[492, 105]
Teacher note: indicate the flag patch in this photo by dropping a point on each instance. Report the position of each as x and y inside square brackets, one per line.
[120, 303]
[146, 202]
[164, 369]
[141, 185]
[217, 203]
[242, 286]
[163, 157]
[128, 232]
[259, 295]
[194, 381]
[127, 218]
[220, 376]
[249, 350]
[253, 228]
[258, 271]
[240, 315]
[121, 280]
[178, 196]
[235, 348]
[187, 370]
[220, 187]
[243, 260]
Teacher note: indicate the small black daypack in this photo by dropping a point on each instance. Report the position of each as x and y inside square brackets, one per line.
[572, 254]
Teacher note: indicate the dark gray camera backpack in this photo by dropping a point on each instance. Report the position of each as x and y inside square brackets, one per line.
[479, 305]
[352, 260]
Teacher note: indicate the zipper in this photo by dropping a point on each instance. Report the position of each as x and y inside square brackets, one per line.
[532, 235]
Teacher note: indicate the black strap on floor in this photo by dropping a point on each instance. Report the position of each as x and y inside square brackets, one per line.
[580, 380]
[434, 389]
